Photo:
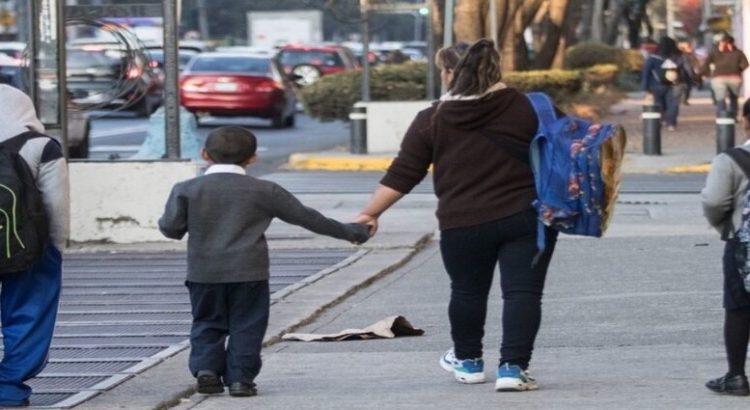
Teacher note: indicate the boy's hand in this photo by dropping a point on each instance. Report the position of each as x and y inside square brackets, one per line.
[360, 233]
[369, 220]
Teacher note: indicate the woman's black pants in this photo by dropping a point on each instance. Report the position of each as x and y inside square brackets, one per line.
[470, 255]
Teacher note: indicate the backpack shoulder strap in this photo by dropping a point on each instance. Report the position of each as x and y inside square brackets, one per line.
[543, 107]
[741, 158]
[14, 144]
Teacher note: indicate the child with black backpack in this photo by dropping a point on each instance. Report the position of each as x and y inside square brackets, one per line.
[34, 220]
[227, 213]
[725, 206]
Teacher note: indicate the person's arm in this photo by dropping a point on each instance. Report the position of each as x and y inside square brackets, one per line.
[54, 185]
[717, 197]
[706, 70]
[289, 209]
[173, 223]
[382, 199]
[743, 61]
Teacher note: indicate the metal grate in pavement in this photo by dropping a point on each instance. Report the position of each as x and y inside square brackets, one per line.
[65, 383]
[118, 310]
[88, 367]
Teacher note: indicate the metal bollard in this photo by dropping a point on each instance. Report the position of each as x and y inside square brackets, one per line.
[358, 119]
[651, 130]
[724, 131]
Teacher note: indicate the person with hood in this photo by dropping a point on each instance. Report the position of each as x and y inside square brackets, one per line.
[484, 210]
[29, 299]
[725, 64]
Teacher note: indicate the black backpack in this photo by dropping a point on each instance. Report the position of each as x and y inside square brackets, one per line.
[24, 227]
[742, 235]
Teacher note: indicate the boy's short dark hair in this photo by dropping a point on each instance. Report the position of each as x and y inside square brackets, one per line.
[231, 145]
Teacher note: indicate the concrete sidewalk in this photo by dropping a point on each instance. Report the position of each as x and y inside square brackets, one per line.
[630, 321]
[688, 149]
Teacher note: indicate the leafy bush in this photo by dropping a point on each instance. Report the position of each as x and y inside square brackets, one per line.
[332, 96]
[560, 84]
[602, 74]
[632, 60]
[589, 54]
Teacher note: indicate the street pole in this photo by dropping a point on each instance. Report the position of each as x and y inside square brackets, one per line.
[430, 53]
[670, 18]
[447, 31]
[365, 13]
[203, 20]
[493, 23]
[707, 12]
[171, 82]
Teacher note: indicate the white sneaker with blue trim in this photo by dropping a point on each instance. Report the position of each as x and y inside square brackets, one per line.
[469, 371]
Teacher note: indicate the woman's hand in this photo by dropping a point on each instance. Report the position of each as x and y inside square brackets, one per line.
[368, 220]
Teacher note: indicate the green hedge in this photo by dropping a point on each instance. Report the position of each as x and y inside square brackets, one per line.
[332, 97]
[588, 54]
[560, 84]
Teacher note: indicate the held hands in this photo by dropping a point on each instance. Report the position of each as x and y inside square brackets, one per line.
[369, 220]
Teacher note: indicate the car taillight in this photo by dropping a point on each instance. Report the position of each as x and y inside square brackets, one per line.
[192, 84]
[267, 86]
[134, 72]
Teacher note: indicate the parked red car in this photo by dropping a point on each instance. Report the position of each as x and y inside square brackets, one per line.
[308, 63]
[238, 84]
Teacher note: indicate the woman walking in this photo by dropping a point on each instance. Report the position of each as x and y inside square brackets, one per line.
[484, 210]
[661, 76]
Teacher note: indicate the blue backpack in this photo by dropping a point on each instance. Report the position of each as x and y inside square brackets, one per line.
[576, 166]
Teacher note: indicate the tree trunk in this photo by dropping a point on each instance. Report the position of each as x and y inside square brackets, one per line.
[552, 51]
[469, 24]
[597, 18]
[618, 8]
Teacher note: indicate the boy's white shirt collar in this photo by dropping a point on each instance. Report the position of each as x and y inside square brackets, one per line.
[225, 168]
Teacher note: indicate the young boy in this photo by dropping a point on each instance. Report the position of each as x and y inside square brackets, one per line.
[227, 214]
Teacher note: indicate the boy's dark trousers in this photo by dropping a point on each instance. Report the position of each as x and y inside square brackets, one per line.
[238, 310]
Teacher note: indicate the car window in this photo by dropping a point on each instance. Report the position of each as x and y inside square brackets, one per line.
[85, 59]
[230, 64]
[318, 58]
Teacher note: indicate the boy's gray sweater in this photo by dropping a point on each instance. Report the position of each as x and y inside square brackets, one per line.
[227, 215]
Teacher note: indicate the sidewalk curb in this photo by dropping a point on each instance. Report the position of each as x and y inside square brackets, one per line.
[339, 284]
[689, 169]
[338, 162]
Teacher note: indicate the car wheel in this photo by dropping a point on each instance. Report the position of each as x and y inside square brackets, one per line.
[290, 120]
[143, 107]
[82, 150]
[278, 120]
[306, 74]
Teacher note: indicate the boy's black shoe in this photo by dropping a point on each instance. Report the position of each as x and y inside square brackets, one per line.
[209, 383]
[240, 389]
[734, 385]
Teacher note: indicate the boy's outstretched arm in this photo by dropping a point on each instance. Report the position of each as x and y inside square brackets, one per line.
[289, 209]
[173, 223]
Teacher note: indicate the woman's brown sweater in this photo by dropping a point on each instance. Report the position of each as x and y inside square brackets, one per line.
[476, 180]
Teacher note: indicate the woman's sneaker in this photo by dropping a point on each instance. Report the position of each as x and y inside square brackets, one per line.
[468, 371]
[512, 378]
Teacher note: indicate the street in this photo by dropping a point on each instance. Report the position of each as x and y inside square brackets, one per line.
[120, 134]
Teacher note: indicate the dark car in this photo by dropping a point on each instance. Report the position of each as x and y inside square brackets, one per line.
[238, 84]
[309, 63]
[156, 56]
[99, 77]
[79, 125]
